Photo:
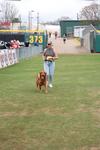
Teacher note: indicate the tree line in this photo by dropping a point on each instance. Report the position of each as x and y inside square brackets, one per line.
[9, 12]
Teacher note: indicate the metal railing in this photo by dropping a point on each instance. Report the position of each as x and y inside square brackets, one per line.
[27, 52]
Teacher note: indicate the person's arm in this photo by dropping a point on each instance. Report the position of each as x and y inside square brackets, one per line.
[43, 56]
[56, 56]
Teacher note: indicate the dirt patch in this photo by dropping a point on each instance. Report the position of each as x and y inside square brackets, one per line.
[72, 46]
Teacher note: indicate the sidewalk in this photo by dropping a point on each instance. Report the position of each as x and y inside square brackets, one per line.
[72, 46]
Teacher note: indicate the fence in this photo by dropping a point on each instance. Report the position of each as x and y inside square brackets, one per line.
[12, 56]
[27, 52]
[8, 57]
[89, 38]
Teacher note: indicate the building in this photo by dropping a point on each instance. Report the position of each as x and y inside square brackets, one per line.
[67, 26]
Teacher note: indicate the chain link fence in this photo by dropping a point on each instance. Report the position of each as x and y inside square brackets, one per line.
[27, 52]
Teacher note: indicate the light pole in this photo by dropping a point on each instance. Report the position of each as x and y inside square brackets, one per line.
[37, 21]
[30, 19]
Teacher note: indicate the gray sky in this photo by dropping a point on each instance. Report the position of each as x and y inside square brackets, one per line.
[50, 10]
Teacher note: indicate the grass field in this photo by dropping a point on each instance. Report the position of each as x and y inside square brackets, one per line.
[67, 118]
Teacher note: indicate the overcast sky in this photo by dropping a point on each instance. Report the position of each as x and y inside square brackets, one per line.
[50, 10]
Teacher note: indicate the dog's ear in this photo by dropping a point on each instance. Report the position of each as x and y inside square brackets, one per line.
[40, 73]
[45, 73]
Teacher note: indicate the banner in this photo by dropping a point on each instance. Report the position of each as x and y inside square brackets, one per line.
[8, 57]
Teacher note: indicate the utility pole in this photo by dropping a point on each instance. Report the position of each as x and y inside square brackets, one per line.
[77, 16]
[37, 21]
[30, 19]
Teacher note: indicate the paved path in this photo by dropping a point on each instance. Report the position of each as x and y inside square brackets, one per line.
[72, 46]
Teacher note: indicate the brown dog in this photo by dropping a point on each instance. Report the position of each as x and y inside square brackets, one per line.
[41, 80]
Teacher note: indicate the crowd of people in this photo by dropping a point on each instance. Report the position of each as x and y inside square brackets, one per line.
[13, 44]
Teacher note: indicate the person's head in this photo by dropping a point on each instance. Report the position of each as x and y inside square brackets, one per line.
[49, 44]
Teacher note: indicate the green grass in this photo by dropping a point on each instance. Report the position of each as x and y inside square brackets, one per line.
[67, 118]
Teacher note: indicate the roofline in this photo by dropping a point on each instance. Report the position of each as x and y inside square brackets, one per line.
[78, 20]
[70, 20]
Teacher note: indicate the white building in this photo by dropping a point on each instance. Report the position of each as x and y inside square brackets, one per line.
[78, 31]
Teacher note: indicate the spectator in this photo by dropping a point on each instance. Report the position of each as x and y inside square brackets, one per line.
[27, 44]
[2, 45]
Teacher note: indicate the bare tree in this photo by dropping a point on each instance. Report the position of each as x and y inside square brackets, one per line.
[8, 11]
[90, 12]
